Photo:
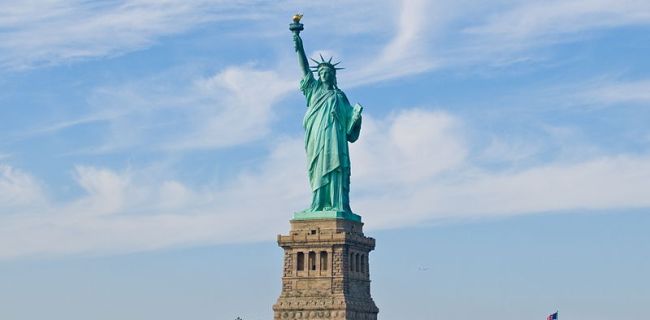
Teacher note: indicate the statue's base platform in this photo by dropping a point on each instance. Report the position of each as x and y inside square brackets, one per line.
[320, 215]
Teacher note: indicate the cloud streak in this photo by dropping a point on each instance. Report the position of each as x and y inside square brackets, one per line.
[408, 37]
[407, 52]
[617, 92]
[53, 32]
[536, 20]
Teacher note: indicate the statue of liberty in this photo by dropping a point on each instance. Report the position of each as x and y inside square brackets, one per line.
[330, 122]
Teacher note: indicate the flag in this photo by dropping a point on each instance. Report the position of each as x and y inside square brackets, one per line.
[552, 316]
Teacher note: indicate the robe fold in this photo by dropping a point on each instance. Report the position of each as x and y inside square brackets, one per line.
[330, 122]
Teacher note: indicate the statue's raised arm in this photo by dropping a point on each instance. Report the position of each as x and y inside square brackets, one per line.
[296, 27]
[302, 58]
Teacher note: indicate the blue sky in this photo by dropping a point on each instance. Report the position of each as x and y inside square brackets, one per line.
[152, 150]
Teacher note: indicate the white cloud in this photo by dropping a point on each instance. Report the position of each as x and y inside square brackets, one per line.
[232, 107]
[408, 37]
[601, 183]
[598, 184]
[241, 101]
[406, 53]
[409, 168]
[407, 147]
[126, 211]
[105, 190]
[18, 189]
[52, 32]
[428, 35]
[513, 32]
[55, 32]
[174, 195]
[532, 20]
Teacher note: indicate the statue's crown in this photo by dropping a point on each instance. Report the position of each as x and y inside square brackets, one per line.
[325, 64]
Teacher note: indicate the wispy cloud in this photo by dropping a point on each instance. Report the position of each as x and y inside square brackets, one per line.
[511, 150]
[239, 108]
[430, 35]
[616, 92]
[53, 32]
[509, 32]
[18, 189]
[408, 51]
[536, 20]
[408, 37]
[232, 107]
[101, 116]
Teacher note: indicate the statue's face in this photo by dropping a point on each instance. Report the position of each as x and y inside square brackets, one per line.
[326, 75]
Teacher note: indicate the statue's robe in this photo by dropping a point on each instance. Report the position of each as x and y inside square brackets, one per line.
[330, 122]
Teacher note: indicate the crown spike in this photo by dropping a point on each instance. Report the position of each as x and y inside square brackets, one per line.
[321, 57]
[314, 60]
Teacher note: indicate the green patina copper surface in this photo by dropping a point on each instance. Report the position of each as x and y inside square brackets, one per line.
[330, 122]
[303, 215]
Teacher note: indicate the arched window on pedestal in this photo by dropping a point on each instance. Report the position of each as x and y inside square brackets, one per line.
[323, 260]
[301, 261]
[312, 260]
[356, 263]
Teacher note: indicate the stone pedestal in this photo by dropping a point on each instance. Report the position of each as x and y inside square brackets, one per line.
[326, 271]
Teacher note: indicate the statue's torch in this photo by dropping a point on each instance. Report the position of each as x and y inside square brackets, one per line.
[296, 26]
